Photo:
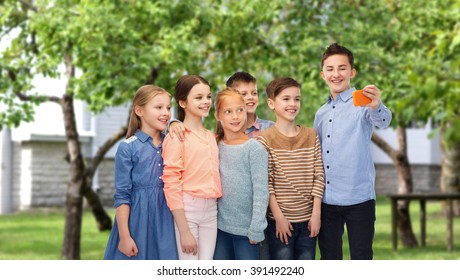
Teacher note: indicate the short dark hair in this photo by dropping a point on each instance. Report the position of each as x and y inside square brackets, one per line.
[239, 77]
[335, 48]
[279, 84]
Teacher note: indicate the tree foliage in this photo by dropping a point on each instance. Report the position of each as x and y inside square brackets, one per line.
[106, 49]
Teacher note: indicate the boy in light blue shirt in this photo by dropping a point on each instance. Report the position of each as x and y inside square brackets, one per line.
[345, 133]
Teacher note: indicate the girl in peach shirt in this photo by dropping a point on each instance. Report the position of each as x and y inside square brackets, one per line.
[191, 173]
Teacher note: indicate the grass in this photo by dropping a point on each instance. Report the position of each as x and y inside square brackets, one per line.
[38, 235]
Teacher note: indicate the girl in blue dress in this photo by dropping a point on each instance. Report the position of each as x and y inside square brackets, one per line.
[143, 227]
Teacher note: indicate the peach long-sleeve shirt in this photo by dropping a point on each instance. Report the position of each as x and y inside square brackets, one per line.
[190, 166]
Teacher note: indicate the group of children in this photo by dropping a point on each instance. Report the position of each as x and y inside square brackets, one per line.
[254, 189]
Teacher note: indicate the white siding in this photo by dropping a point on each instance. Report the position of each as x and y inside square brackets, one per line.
[106, 124]
[420, 148]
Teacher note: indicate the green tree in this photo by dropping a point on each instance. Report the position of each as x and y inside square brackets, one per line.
[437, 78]
[406, 48]
[105, 50]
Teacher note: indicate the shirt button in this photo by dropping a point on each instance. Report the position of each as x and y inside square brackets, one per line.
[333, 107]
[159, 177]
[330, 120]
[329, 136]
[327, 151]
[159, 164]
[328, 182]
[158, 152]
[327, 167]
[383, 119]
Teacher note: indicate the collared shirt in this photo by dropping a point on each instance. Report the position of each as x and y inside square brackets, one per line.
[138, 164]
[259, 125]
[191, 166]
[345, 133]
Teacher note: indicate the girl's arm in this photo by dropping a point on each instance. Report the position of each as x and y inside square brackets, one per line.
[259, 176]
[187, 240]
[127, 245]
[123, 189]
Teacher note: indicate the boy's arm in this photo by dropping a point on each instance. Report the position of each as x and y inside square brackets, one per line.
[314, 224]
[373, 93]
[283, 226]
[380, 116]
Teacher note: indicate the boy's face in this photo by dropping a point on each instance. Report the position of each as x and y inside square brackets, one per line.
[250, 96]
[337, 73]
[286, 104]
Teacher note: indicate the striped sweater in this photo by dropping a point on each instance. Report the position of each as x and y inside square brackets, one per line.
[295, 171]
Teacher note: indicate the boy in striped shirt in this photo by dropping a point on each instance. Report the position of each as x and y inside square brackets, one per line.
[296, 176]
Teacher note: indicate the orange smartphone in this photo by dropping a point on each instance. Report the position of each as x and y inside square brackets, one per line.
[359, 99]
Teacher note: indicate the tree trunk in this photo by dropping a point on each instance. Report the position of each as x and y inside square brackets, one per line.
[450, 170]
[103, 221]
[74, 202]
[405, 183]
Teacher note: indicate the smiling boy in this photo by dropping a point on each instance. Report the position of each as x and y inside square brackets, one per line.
[345, 133]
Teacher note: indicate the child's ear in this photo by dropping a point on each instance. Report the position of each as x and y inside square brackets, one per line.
[182, 103]
[322, 75]
[353, 73]
[138, 110]
[215, 116]
[271, 103]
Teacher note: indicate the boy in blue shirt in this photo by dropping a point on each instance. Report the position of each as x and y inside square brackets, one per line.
[345, 133]
[246, 85]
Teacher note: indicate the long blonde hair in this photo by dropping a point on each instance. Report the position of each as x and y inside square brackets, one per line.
[228, 92]
[143, 95]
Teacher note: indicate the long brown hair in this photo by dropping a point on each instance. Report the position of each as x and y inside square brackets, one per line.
[182, 89]
[220, 97]
[143, 95]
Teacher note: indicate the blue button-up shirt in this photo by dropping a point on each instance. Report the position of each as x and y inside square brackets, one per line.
[138, 165]
[259, 125]
[345, 133]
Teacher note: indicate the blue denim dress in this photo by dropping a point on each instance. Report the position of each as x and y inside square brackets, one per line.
[138, 183]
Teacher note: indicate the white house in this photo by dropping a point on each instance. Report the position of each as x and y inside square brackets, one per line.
[34, 172]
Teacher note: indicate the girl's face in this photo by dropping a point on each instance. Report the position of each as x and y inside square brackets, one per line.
[198, 101]
[286, 104]
[337, 73]
[250, 96]
[155, 114]
[232, 114]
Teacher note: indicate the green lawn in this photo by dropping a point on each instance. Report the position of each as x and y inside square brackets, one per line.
[38, 235]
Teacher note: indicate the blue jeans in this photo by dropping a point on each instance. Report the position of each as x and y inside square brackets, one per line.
[299, 247]
[234, 247]
[359, 219]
